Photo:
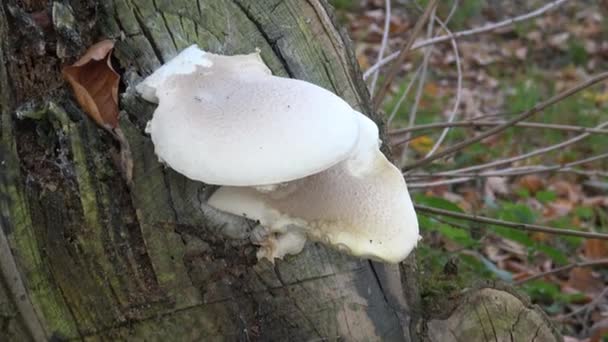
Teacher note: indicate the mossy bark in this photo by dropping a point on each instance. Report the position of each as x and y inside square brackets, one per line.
[103, 260]
[86, 255]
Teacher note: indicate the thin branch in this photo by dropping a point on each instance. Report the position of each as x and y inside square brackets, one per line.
[478, 30]
[510, 172]
[452, 12]
[458, 91]
[421, 83]
[593, 263]
[400, 57]
[589, 306]
[474, 123]
[515, 171]
[385, 34]
[406, 92]
[508, 224]
[521, 117]
[530, 154]
[424, 185]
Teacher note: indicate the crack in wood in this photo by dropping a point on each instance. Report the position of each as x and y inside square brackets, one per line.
[271, 42]
[490, 319]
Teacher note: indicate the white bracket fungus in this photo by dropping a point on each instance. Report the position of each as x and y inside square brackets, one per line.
[289, 154]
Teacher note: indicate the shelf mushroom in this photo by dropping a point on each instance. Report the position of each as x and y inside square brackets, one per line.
[288, 154]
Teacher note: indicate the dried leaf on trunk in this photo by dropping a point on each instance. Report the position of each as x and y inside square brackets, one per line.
[95, 84]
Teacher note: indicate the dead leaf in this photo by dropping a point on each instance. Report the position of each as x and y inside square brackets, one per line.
[596, 201]
[599, 331]
[495, 186]
[422, 144]
[559, 40]
[363, 61]
[567, 190]
[532, 183]
[584, 280]
[95, 84]
[558, 208]
[596, 249]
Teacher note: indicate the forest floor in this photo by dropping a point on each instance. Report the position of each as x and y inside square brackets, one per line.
[505, 72]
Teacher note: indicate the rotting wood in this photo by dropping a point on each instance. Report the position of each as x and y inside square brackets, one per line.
[104, 261]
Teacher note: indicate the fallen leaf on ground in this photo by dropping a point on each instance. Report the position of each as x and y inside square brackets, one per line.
[532, 183]
[422, 144]
[584, 280]
[596, 249]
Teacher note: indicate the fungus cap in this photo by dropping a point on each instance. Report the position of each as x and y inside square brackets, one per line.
[366, 213]
[226, 120]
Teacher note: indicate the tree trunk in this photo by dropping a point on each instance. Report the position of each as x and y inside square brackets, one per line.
[103, 260]
[86, 256]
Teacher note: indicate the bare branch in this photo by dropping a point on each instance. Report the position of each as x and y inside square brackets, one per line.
[508, 224]
[400, 57]
[480, 123]
[521, 117]
[593, 263]
[478, 30]
[536, 152]
[385, 34]
[404, 94]
[513, 171]
[587, 308]
[517, 171]
[421, 83]
[458, 90]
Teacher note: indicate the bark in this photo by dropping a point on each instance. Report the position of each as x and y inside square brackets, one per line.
[86, 256]
[101, 260]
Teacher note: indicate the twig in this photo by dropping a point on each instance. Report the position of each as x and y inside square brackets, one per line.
[508, 224]
[478, 30]
[458, 91]
[593, 263]
[406, 92]
[504, 173]
[515, 171]
[424, 185]
[536, 152]
[452, 12]
[474, 123]
[521, 117]
[589, 306]
[420, 89]
[385, 34]
[400, 57]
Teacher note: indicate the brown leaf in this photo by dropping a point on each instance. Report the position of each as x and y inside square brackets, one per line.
[599, 330]
[495, 186]
[596, 249]
[95, 84]
[584, 280]
[558, 208]
[567, 190]
[532, 183]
